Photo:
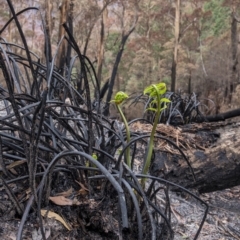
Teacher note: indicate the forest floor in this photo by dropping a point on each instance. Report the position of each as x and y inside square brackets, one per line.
[223, 219]
[222, 222]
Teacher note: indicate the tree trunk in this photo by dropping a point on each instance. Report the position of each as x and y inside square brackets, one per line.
[62, 49]
[70, 25]
[176, 45]
[106, 3]
[88, 39]
[114, 72]
[101, 45]
[48, 19]
[9, 27]
[190, 82]
[234, 47]
[124, 39]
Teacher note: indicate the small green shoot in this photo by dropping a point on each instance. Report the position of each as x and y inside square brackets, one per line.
[158, 104]
[118, 99]
[94, 155]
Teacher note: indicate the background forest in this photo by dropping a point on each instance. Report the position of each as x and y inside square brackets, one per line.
[191, 45]
[62, 158]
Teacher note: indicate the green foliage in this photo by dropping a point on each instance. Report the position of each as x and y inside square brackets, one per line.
[119, 97]
[219, 20]
[158, 104]
[118, 100]
[94, 155]
[155, 90]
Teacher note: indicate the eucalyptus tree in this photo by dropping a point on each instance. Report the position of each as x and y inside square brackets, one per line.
[127, 13]
[231, 7]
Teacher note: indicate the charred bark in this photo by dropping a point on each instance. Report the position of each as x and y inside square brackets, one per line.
[216, 166]
[222, 116]
[176, 45]
[213, 150]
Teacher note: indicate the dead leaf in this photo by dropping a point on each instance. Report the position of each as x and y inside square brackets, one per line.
[178, 216]
[13, 171]
[28, 193]
[61, 201]
[11, 166]
[56, 217]
[14, 164]
[83, 190]
[76, 202]
[66, 193]
[82, 186]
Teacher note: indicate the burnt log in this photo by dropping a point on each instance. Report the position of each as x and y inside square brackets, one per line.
[222, 116]
[216, 164]
[213, 150]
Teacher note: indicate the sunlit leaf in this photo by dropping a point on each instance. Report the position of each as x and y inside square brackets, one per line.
[166, 100]
[162, 88]
[119, 97]
[155, 89]
[152, 109]
[94, 155]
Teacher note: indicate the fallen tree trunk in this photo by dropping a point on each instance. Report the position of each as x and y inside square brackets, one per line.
[216, 166]
[213, 150]
[222, 116]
